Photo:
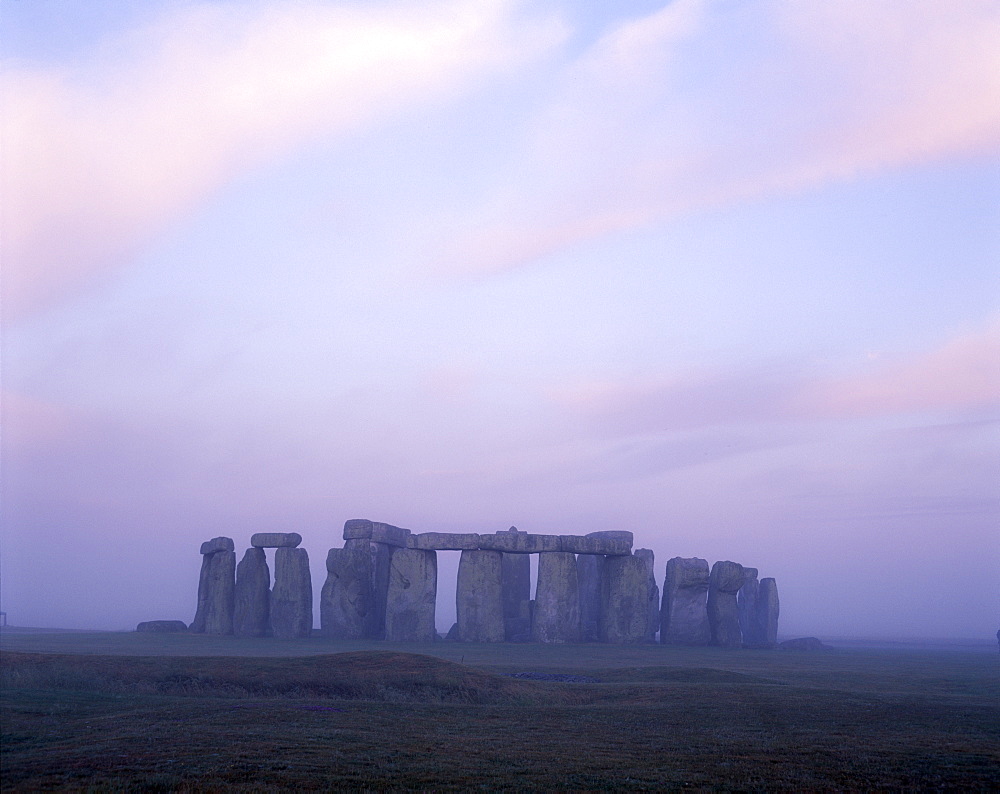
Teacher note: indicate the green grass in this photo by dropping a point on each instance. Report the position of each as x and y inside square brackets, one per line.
[185, 712]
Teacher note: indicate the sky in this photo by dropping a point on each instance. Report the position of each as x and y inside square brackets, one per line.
[723, 274]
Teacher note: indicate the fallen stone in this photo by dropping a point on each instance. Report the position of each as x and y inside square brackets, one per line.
[217, 544]
[162, 626]
[746, 602]
[590, 578]
[767, 611]
[412, 595]
[347, 603]
[684, 606]
[479, 596]
[443, 541]
[625, 600]
[251, 613]
[291, 598]
[275, 540]
[723, 612]
[804, 644]
[557, 599]
[357, 528]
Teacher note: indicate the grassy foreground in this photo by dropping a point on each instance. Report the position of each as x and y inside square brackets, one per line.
[176, 712]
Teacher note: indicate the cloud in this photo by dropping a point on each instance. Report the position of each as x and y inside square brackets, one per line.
[102, 155]
[676, 112]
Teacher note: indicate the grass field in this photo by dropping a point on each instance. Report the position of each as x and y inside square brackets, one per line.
[189, 712]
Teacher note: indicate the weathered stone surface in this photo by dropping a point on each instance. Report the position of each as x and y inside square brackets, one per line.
[390, 535]
[362, 544]
[767, 611]
[805, 644]
[162, 626]
[412, 594]
[684, 609]
[347, 604]
[357, 528]
[452, 635]
[443, 541]
[652, 594]
[291, 598]
[381, 555]
[723, 612]
[515, 587]
[479, 596]
[275, 540]
[221, 592]
[252, 614]
[198, 624]
[625, 600]
[519, 542]
[217, 544]
[590, 578]
[607, 543]
[746, 602]
[557, 599]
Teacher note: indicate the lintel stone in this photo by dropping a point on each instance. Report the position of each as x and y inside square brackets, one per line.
[444, 541]
[519, 543]
[275, 540]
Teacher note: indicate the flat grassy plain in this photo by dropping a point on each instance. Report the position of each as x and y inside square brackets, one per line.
[125, 711]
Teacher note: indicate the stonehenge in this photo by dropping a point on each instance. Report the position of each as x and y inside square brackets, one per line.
[382, 585]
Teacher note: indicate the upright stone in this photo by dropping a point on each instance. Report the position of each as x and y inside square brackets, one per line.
[652, 594]
[746, 603]
[723, 612]
[251, 615]
[684, 612]
[221, 593]
[515, 586]
[347, 603]
[590, 579]
[412, 595]
[625, 600]
[767, 611]
[479, 597]
[198, 624]
[557, 599]
[291, 598]
[381, 564]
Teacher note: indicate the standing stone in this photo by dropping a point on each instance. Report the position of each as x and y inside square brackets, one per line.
[291, 598]
[479, 597]
[746, 602]
[381, 563]
[723, 612]
[252, 615]
[347, 603]
[652, 594]
[767, 611]
[557, 599]
[412, 595]
[221, 593]
[625, 600]
[515, 580]
[198, 624]
[590, 578]
[684, 612]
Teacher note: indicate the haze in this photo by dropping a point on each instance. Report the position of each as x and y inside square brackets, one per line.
[724, 275]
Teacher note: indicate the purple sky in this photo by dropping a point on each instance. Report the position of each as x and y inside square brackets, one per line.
[724, 275]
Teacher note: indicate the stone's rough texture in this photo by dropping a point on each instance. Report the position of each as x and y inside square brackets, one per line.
[625, 600]
[162, 626]
[684, 611]
[275, 540]
[580, 544]
[409, 611]
[746, 602]
[767, 611]
[390, 535]
[198, 624]
[652, 595]
[347, 604]
[217, 544]
[362, 544]
[805, 644]
[515, 588]
[357, 528]
[590, 578]
[381, 556]
[723, 612]
[557, 599]
[519, 542]
[452, 635]
[221, 593]
[291, 598]
[252, 614]
[443, 541]
[479, 597]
